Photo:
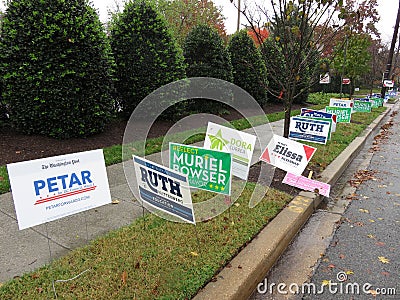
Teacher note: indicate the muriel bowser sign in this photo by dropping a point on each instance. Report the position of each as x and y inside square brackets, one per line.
[287, 155]
[209, 170]
[51, 188]
[164, 189]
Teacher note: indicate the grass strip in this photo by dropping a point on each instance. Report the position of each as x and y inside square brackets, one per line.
[152, 258]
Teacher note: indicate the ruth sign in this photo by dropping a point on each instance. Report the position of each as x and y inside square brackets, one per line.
[238, 143]
[310, 130]
[206, 169]
[287, 155]
[51, 188]
[164, 189]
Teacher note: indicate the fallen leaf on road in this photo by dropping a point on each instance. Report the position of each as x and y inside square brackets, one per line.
[383, 259]
[372, 221]
[364, 210]
[372, 292]
[384, 273]
[342, 256]
[371, 236]
[326, 282]
[380, 243]
[331, 266]
[115, 201]
[349, 272]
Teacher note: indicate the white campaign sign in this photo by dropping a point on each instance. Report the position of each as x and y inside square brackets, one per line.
[238, 143]
[51, 188]
[341, 103]
[164, 189]
[287, 155]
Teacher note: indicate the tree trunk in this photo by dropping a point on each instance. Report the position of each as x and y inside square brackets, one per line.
[288, 110]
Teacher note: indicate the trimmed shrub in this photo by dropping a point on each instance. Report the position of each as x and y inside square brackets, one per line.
[249, 70]
[56, 68]
[145, 53]
[206, 56]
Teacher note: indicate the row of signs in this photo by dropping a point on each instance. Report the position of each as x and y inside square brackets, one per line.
[52, 188]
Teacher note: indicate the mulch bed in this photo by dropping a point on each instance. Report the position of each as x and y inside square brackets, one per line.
[16, 147]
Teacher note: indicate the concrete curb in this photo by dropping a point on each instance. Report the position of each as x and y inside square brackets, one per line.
[248, 268]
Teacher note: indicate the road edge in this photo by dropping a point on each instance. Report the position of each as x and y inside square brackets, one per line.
[240, 278]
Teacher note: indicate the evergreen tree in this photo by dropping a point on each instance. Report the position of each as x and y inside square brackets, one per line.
[206, 56]
[145, 53]
[249, 70]
[56, 68]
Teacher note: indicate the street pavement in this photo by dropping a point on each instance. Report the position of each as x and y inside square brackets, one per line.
[363, 258]
[349, 248]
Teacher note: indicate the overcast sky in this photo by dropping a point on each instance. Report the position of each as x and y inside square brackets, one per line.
[387, 10]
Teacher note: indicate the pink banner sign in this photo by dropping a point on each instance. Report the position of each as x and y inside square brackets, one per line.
[307, 184]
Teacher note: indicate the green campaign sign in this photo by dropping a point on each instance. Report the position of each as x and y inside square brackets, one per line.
[209, 170]
[362, 106]
[343, 113]
[377, 102]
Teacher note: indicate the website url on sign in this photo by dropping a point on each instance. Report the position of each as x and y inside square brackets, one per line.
[334, 288]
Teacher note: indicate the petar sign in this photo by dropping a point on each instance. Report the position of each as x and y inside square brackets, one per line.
[343, 113]
[310, 130]
[164, 189]
[287, 155]
[52, 188]
[340, 103]
[238, 143]
[206, 169]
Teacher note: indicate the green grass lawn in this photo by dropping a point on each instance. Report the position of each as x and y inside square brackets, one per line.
[157, 259]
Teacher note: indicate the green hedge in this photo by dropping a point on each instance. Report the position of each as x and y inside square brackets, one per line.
[56, 68]
[146, 55]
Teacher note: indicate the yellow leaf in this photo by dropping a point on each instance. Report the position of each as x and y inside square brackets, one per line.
[380, 219]
[372, 292]
[372, 221]
[237, 204]
[383, 259]
[364, 210]
[277, 38]
[326, 282]
[349, 272]
[194, 253]
[371, 236]
[115, 201]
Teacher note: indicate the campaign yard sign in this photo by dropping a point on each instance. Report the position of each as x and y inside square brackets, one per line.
[164, 189]
[51, 188]
[362, 106]
[310, 130]
[307, 184]
[333, 102]
[287, 155]
[377, 102]
[238, 143]
[206, 169]
[310, 113]
[343, 113]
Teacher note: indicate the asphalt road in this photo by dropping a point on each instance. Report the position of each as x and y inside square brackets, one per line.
[363, 258]
[349, 249]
